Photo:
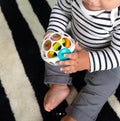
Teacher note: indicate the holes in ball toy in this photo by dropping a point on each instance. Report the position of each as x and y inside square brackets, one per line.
[56, 46]
[47, 45]
[46, 37]
[51, 54]
[66, 42]
[55, 37]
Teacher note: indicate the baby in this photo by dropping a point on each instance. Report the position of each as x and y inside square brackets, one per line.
[95, 26]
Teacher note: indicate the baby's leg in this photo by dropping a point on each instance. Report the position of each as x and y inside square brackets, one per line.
[58, 88]
[55, 96]
[100, 86]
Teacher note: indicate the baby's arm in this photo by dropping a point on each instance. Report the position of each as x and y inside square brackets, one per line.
[109, 57]
[104, 59]
[60, 16]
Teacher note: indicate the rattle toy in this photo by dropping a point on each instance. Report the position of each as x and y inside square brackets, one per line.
[55, 45]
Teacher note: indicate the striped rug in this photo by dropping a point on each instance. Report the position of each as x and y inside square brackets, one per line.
[22, 26]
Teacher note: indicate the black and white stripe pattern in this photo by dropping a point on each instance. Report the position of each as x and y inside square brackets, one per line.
[22, 26]
[94, 31]
[20, 62]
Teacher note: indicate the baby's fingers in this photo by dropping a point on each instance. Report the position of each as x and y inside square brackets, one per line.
[71, 55]
[66, 62]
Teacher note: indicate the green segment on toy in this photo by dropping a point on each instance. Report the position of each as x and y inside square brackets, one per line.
[66, 42]
[56, 46]
[63, 42]
[51, 54]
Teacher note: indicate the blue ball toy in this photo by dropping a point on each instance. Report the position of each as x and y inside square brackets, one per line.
[62, 52]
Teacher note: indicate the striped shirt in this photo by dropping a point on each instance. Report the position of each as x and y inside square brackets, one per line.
[96, 31]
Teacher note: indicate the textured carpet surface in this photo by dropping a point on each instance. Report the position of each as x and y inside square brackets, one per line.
[22, 26]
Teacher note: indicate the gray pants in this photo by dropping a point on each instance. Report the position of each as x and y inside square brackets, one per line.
[100, 86]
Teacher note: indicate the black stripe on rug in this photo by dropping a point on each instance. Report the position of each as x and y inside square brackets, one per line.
[6, 113]
[29, 52]
[43, 10]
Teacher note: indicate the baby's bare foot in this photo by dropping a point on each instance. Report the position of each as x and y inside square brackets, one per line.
[68, 118]
[55, 96]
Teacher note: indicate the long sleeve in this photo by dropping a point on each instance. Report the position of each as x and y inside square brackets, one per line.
[109, 57]
[96, 31]
[60, 16]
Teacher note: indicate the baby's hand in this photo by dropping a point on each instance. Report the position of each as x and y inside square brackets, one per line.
[77, 61]
[47, 33]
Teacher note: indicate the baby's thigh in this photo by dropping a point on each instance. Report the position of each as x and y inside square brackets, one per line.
[103, 82]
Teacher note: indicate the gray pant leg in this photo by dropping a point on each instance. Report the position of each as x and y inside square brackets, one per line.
[53, 75]
[100, 86]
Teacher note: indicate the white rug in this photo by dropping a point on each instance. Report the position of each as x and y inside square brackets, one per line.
[21, 68]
